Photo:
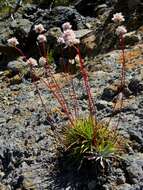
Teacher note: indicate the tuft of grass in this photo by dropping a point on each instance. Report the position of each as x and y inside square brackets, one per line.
[92, 141]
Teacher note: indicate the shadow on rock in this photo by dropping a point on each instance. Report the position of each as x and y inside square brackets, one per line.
[74, 175]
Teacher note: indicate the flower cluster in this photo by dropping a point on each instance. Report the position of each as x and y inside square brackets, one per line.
[31, 62]
[41, 38]
[39, 28]
[68, 37]
[66, 26]
[118, 18]
[12, 42]
[42, 61]
[121, 30]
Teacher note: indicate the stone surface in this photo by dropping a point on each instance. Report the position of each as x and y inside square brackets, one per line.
[29, 140]
[88, 7]
[17, 66]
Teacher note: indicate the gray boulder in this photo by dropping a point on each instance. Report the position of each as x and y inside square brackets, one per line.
[17, 66]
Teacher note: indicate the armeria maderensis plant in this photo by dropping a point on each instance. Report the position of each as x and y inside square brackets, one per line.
[88, 138]
[121, 30]
[85, 138]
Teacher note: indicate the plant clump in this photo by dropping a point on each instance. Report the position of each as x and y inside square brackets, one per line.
[91, 140]
[85, 138]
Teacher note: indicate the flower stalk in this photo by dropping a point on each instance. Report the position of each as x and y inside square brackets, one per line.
[86, 83]
[56, 93]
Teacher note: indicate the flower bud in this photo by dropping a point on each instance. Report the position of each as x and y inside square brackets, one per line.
[12, 41]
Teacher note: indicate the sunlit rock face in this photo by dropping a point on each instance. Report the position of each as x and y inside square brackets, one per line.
[90, 7]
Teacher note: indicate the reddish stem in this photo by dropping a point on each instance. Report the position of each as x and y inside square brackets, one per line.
[59, 100]
[122, 85]
[21, 53]
[122, 44]
[123, 60]
[72, 92]
[86, 83]
[88, 90]
[60, 97]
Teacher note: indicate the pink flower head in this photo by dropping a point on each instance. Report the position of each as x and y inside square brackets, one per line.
[66, 26]
[121, 30]
[41, 38]
[42, 61]
[32, 62]
[12, 42]
[118, 18]
[69, 38]
[39, 28]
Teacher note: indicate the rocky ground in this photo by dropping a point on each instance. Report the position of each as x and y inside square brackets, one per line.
[29, 146]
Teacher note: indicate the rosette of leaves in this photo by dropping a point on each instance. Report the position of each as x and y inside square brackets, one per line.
[92, 140]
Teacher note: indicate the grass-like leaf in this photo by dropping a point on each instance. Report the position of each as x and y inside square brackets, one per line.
[88, 139]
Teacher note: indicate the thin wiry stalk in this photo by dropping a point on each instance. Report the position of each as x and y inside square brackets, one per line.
[61, 97]
[59, 100]
[72, 92]
[86, 83]
[122, 84]
[123, 61]
[21, 53]
[88, 90]
[122, 44]
[50, 120]
[58, 95]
